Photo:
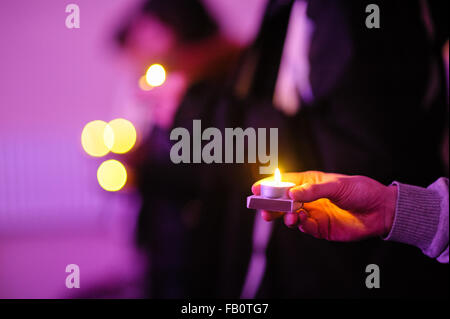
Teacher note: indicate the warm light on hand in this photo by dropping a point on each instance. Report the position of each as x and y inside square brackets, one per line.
[337, 207]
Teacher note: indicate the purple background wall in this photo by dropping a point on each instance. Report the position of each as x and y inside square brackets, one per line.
[53, 80]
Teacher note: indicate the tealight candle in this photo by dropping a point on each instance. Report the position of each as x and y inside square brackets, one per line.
[274, 196]
[276, 188]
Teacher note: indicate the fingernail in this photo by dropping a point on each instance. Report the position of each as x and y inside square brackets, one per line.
[302, 215]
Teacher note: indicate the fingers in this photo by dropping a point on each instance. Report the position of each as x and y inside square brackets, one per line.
[309, 226]
[270, 216]
[311, 192]
[313, 186]
[291, 219]
[256, 189]
[301, 219]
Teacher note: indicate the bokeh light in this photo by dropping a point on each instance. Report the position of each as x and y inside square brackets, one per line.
[112, 175]
[122, 136]
[155, 75]
[93, 138]
[143, 85]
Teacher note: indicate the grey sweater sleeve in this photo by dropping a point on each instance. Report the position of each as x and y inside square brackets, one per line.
[421, 218]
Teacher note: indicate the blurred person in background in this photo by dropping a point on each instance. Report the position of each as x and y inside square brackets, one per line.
[195, 246]
[375, 107]
[180, 225]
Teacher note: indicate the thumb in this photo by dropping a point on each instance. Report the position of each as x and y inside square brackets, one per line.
[311, 192]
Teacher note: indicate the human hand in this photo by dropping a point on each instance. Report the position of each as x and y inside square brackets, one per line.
[338, 207]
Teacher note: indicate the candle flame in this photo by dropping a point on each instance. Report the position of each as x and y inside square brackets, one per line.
[277, 176]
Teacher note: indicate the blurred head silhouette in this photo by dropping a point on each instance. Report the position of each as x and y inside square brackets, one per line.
[182, 37]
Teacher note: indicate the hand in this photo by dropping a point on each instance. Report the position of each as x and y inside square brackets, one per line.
[338, 207]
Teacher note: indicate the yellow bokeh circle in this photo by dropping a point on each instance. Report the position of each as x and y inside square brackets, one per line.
[93, 138]
[112, 175]
[155, 75]
[120, 136]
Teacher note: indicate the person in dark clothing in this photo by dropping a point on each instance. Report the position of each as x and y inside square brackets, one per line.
[366, 84]
[180, 226]
[374, 113]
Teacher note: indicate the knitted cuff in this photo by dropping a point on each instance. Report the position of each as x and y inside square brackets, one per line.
[416, 216]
